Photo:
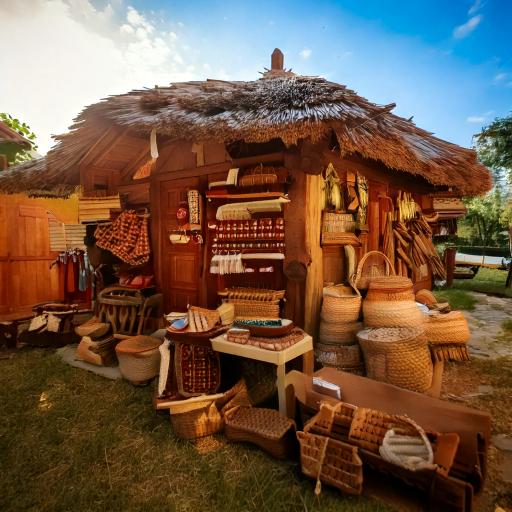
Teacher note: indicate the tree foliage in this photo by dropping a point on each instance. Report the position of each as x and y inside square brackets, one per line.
[17, 155]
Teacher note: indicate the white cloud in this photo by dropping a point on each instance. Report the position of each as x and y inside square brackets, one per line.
[466, 28]
[475, 7]
[305, 54]
[475, 119]
[499, 77]
[73, 54]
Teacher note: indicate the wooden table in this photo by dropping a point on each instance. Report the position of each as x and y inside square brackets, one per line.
[302, 348]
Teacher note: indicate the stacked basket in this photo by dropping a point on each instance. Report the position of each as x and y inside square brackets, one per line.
[390, 302]
[338, 347]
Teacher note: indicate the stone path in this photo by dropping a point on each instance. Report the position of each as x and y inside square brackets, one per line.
[488, 339]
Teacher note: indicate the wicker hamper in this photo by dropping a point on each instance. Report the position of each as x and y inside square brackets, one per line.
[265, 428]
[399, 356]
[139, 358]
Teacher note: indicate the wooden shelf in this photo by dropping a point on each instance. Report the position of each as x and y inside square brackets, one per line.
[252, 195]
[340, 243]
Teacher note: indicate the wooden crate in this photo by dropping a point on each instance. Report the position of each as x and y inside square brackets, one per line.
[92, 209]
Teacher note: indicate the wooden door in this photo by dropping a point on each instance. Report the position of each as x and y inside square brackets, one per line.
[25, 257]
[180, 264]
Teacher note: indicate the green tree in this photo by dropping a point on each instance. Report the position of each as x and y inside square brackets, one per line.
[14, 153]
[494, 147]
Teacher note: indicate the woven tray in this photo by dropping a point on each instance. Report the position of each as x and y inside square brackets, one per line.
[197, 369]
[252, 294]
[265, 428]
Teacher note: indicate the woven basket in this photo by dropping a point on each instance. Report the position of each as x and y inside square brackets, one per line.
[261, 294]
[137, 363]
[365, 272]
[333, 223]
[382, 313]
[339, 333]
[399, 356]
[196, 419]
[390, 288]
[328, 460]
[265, 428]
[426, 297]
[443, 328]
[340, 304]
[255, 308]
[341, 356]
[202, 416]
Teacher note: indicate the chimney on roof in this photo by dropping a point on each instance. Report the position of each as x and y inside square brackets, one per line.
[277, 60]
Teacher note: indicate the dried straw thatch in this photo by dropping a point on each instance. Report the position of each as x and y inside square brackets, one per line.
[287, 107]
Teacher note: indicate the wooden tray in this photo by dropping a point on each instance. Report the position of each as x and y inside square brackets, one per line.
[268, 331]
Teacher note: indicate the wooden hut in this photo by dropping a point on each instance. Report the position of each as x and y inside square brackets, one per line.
[285, 128]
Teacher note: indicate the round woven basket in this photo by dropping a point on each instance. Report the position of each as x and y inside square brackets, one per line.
[341, 356]
[343, 309]
[390, 288]
[399, 356]
[139, 358]
[426, 297]
[382, 313]
[339, 334]
[441, 328]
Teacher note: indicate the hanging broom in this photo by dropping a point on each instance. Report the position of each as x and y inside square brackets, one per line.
[145, 170]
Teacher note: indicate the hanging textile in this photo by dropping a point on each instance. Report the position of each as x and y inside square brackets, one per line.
[127, 238]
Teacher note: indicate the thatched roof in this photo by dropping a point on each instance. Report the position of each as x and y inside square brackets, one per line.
[10, 136]
[290, 108]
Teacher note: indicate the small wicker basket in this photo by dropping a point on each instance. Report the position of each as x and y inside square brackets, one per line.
[265, 428]
[340, 304]
[139, 358]
[399, 356]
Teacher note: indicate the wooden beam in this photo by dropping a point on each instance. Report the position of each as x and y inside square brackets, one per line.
[378, 172]
[223, 166]
[315, 277]
[102, 145]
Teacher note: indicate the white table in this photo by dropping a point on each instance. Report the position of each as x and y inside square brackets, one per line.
[303, 348]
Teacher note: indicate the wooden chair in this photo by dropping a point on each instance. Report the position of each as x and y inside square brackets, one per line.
[127, 310]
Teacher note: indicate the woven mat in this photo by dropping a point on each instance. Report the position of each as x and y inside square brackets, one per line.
[278, 343]
[197, 370]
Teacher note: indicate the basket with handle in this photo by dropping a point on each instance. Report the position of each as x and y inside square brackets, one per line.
[366, 271]
[329, 460]
[259, 176]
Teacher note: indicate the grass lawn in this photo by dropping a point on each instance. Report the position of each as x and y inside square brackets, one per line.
[70, 440]
[486, 281]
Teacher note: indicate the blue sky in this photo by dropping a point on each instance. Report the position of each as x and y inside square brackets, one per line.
[448, 64]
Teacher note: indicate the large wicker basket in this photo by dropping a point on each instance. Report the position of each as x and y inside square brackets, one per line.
[339, 333]
[442, 328]
[383, 313]
[265, 428]
[378, 266]
[399, 356]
